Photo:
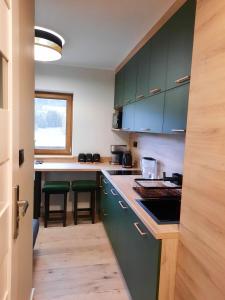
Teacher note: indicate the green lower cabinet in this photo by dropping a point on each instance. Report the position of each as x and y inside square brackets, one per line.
[128, 117]
[175, 110]
[137, 251]
[148, 115]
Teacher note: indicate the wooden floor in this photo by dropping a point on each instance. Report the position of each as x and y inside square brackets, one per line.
[76, 263]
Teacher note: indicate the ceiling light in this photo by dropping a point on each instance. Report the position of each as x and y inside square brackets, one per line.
[48, 45]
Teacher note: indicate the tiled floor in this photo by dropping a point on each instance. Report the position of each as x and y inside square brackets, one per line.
[76, 263]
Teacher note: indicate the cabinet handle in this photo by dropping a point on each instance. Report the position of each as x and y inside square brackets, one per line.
[154, 91]
[105, 192]
[183, 79]
[100, 181]
[145, 129]
[105, 181]
[136, 225]
[122, 205]
[178, 130]
[140, 97]
[114, 194]
[126, 128]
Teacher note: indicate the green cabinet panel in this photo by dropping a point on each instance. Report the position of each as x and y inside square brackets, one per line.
[158, 61]
[137, 251]
[175, 110]
[119, 89]
[149, 114]
[180, 32]
[130, 73]
[128, 117]
[143, 59]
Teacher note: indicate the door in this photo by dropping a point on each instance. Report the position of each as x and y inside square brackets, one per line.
[143, 57]
[16, 132]
[175, 110]
[119, 89]
[148, 115]
[180, 32]
[130, 70]
[158, 61]
[128, 117]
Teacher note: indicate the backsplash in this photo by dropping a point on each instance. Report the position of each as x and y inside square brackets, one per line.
[167, 149]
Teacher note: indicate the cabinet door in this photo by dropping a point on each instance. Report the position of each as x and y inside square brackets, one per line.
[181, 29]
[148, 115]
[143, 59]
[119, 89]
[175, 110]
[158, 61]
[130, 70]
[128, 117]
[138, 254]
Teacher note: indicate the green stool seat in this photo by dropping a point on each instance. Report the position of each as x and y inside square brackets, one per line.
[60, 188]
[56, 186]
[84, 185]
[79, 186]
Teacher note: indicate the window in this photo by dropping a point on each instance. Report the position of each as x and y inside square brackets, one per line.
[53, 123]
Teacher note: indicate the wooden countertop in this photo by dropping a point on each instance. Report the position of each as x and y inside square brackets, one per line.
[75, 166]
[124, 185]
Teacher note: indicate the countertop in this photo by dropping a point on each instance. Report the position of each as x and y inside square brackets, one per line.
[124, 186]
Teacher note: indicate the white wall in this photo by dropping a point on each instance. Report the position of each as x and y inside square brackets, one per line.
[93, 104]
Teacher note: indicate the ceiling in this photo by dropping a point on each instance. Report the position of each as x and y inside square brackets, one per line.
[99, 33]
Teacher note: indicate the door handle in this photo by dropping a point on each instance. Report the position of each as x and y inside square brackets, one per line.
[137, 226]
[122, 205]
[114, 194]
[24, 204]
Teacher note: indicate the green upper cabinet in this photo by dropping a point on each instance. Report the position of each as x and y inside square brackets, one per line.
[130, 73]
[128, 117]
[158, 62]
[148, 114]
[119, 89]
[175, 110]
[180, 31]
[143, 58]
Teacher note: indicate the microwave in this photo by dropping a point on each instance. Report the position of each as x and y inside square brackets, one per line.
[117, 120]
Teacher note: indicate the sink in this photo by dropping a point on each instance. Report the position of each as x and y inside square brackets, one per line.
[162, 210]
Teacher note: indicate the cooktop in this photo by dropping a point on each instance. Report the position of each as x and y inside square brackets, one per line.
[124, 172]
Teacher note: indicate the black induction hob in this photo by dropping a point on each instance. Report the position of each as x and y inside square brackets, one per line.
[124, 172]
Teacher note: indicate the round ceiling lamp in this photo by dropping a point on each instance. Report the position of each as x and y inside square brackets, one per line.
[48, 44]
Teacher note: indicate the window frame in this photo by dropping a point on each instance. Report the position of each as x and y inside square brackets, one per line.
[69, 122]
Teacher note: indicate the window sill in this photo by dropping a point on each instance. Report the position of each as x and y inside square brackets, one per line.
[55, 158]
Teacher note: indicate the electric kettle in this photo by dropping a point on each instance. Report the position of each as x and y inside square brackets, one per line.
[148, 167]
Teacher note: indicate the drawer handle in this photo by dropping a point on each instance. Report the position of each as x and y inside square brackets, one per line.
[142, 233]
[140, 97]
[114, 194]
[105, 192]
[105, 181]
[178, 130]
[154, 91]
[145, 129]
[183, 79]
[122, 205]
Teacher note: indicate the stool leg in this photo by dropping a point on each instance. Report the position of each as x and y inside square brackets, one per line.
[65, 209]
[75, 207]
[46, 217]
[93, 206]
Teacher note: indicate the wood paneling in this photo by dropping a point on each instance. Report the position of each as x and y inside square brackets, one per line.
[201, 254]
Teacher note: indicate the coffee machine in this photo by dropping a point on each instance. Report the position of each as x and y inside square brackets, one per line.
[117, 154]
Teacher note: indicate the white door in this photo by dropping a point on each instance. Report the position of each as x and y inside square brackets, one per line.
[16, 132]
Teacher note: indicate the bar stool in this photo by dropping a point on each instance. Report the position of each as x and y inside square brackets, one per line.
[80, 186]
[59, 188]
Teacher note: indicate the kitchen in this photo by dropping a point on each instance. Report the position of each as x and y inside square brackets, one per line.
[152, 233]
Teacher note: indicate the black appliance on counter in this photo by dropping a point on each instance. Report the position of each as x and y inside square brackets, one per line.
[117, 154]
[124, 172]
[127, 160]
[82, 157]
[96, 157]
[117, 120]
[89, 158]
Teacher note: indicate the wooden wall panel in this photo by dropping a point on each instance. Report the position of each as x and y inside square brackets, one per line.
[201, 251]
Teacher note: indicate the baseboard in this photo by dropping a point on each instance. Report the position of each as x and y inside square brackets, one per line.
[32, 294]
